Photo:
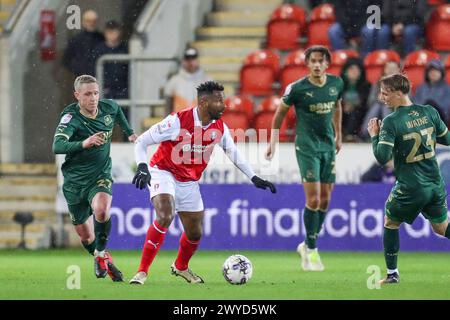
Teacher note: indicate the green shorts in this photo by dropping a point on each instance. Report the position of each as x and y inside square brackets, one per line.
[405, 206]
[79, 198]
[317, 166]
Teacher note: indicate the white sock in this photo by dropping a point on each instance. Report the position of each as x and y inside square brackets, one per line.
[389, 271]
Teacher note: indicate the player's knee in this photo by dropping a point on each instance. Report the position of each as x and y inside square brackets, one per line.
[390, 224]
[194, 235]
[165, 219]
[313, 203]
[100, 211]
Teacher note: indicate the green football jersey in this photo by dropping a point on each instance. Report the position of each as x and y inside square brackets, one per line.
[412, 131]
[314, 107]
[81, 166]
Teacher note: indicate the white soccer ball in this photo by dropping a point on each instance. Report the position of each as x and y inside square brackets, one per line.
[237, 269]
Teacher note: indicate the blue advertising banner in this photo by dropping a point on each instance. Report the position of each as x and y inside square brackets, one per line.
[240, 216]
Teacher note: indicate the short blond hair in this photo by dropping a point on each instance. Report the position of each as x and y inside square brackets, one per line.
[85, 78]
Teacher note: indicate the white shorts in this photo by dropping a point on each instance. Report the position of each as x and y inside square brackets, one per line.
[186, 194]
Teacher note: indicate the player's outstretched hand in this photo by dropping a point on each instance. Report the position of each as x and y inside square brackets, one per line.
[142, 176]
[133, 137]
[263, 184]
[96, 139]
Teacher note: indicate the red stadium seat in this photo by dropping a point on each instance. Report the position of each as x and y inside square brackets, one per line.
[269, 104]
[415, 64]
[259, 71]
[374, 63]
[447, 69]
[287, 130]
[294, 69]
[240, 103]
[285, 27]
[263, 120]
[435, 2]
[322, 17]
[236, 120]
[339, 58]
[438, 29]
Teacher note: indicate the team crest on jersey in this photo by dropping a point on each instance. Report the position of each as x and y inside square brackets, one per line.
[186, 147]
[333, 91]
[107, 119]
[66, 119]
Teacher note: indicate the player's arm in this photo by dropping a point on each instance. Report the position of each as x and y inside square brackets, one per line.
[123, 122]
[167, 129]
[382, 140]
[236, 157]
[337, 124]
[63, 134]
[442, 133]
[278, 118]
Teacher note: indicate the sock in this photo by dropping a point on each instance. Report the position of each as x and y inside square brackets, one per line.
[322, 214]
[102, 230]
[153, 241]
[391, 243]
[447, 232]
[311, 220]
[389, 271]
[90, 247]
[185, 252]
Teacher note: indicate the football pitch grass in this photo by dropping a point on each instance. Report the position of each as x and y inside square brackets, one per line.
[276, 275]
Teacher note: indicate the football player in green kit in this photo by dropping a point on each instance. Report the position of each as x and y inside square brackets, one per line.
[317, 102]
[409, 135]
[84, 136]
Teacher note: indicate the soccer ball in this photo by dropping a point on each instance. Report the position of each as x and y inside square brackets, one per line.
[237, 269]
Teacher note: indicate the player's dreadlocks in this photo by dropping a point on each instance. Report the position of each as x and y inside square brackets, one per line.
[207, 88]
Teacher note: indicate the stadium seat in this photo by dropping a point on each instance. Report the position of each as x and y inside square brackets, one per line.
[294, 68]
[287, 130]
[339, 58]
[322, 17]
[258, 73]
[236, 120]
[438, 29]
[240, 103]
[414, 66]
[263, 120]
[269, 104]
[447, 69]
[374, 63]
[285, 27]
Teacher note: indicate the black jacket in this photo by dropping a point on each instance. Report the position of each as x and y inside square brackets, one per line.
[404, 11]
[79, 56]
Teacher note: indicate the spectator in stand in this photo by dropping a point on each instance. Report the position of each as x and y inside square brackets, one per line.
[115, 75]
[405, 20]
[378, 173]
[180, 91]
[435, 89]
[354, 98]
[376, 108]
[351, 24]
[79, 56]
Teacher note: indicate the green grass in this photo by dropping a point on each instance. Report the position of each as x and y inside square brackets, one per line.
[277, 275]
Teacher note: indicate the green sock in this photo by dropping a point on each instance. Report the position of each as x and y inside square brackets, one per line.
[322, 214]
[311, 220]
[90, 247]
[447, 232]
[102, 230]
[391, 243]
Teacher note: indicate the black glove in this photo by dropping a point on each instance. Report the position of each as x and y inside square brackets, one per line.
[142, 176]
[263, 184]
